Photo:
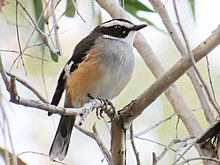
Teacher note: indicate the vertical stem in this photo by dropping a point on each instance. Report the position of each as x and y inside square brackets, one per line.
[118, 142]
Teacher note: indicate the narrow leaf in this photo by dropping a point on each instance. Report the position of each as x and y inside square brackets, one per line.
[192, 5]
[70, 9]
[54, 56]
[38, 9]
[137, 6]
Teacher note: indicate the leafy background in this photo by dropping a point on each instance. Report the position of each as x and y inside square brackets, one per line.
[32, 130]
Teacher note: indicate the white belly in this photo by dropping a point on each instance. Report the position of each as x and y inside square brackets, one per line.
[117, 66]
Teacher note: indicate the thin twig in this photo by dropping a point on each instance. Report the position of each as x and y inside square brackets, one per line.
[25, 54]
[215, 104]
[156, 125]
[181, 156]
[200, 158]
[55, 27]
[160, 8]
[18, 37]
[101, 145]
[39, 153]
[29, 87]
[172, 143]
[43, 36]
[154, 162]
[77, 11]
[136, 153]
[184, 143]
[160, 144]
[43, 76]
[5, 127]
[94, 135]
[177, 124]
[210, 78]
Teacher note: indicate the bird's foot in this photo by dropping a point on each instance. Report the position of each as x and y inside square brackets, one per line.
[107, 107]
[101, 106]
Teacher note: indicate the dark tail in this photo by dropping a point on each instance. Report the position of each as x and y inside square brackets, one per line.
[61, 140]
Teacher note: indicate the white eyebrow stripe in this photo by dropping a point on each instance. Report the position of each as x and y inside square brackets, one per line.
[116, 22]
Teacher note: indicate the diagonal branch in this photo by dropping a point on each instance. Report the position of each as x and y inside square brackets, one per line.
[29, 87]
[136, 107]
[161, 10]
[151, 60]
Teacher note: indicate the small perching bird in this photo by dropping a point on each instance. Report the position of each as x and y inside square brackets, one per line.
[100, 67]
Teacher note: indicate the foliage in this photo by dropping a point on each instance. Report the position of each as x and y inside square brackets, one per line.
[133, 7]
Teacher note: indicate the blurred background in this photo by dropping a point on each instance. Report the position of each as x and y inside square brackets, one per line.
[29, 132]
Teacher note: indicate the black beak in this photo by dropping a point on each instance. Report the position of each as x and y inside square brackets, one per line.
[138, 27]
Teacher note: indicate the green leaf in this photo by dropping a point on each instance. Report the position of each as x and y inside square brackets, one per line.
[70, 9]
[192, 4]
[54, 56]
[38, 10]
[135, 6]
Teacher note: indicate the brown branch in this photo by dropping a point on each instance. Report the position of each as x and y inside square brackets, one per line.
[198, 75]
[160, 8]
[154, 162]
[136, 107]
[29, 87]
[15, 98]
[118, 141]
[154, 65]
[3, 74]
[150, 59]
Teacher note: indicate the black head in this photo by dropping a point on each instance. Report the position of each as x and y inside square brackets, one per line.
[118, 28]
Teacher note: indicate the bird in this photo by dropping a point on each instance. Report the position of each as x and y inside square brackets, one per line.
[100, 67]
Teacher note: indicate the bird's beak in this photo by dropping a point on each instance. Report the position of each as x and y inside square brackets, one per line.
[138, 27]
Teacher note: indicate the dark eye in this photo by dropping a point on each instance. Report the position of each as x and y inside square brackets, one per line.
[118, 27]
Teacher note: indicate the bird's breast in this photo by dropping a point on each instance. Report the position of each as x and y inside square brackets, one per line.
[117, 63]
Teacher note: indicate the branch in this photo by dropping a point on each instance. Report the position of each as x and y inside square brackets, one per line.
[151, 60]
[29, 87]
[15, 98]
[136, 107]
[137, 156]
[101, 145]
[94, 135]
[156, 125]
[55, 27]
[118, 141]
[43, 36]
[161, 10]
[200, 158]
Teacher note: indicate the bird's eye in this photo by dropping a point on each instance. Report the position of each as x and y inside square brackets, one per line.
[118, 27]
